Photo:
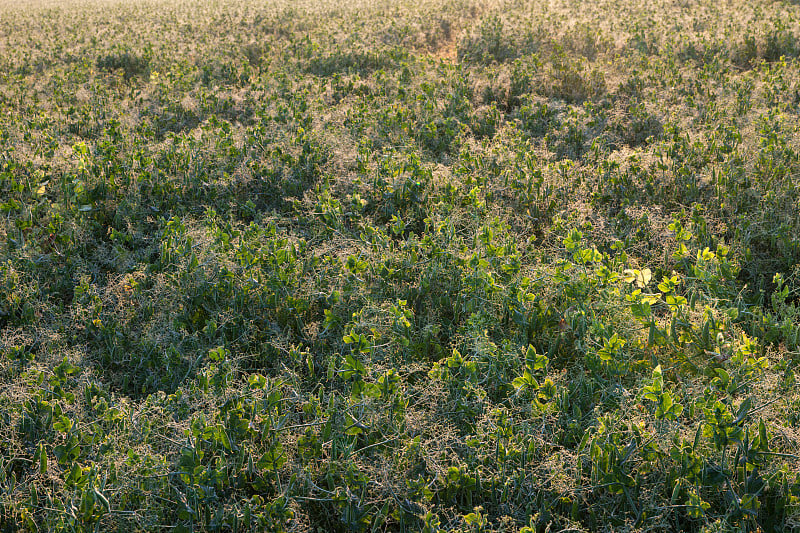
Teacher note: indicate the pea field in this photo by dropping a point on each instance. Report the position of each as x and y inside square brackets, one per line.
[393, 266]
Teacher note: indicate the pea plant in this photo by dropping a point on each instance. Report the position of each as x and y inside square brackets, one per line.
[399, 266]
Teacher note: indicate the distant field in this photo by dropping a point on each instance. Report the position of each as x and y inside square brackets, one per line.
[400, 266]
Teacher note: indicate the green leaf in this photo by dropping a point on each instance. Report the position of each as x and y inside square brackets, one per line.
[41, 452]
[100, 497]
[750, 504]
[535, 360]
[525, 381]
[763, 441]
[651, 299]
[696, 505]
[354, 430]
[257, 381]
[353, 368]
[548, 390]
[675, 301]
[611, 347]
[640, 277]
[63, 424]
[587, 255]
[667, 408]
[273, 459]
[744, 410]
[573, 240]
[676, 491]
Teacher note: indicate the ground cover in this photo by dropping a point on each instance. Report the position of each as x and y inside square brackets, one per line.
[399, 266]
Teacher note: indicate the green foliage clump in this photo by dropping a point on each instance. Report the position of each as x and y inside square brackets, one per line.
[433, 266]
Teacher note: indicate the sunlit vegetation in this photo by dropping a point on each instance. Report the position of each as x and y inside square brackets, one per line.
[400, 266]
